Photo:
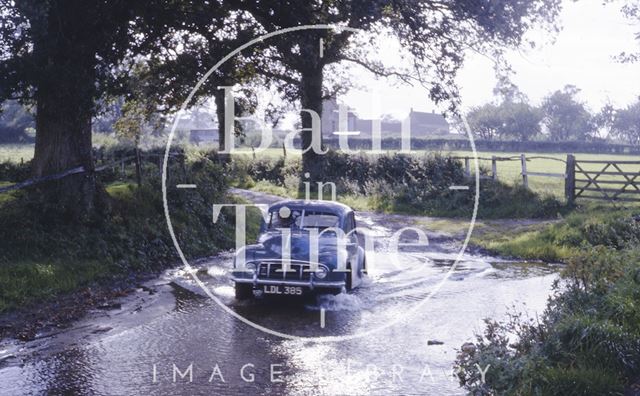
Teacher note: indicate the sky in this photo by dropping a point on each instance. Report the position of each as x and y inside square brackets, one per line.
[581, 55]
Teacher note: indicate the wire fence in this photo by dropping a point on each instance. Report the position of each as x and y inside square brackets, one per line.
[120, 166]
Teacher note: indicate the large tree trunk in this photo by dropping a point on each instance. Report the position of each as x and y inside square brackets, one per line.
[219, 99]
[311, 99]
[64, 96]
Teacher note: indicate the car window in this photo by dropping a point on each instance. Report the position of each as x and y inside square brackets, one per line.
[350, 223]
[317, 220]
[298, 219]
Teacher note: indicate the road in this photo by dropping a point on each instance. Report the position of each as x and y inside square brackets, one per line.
[159, 332]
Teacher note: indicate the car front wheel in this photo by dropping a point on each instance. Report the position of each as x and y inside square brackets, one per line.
[243, 291]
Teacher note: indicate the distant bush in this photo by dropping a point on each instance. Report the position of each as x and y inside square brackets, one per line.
[15, 172]
[406, 183]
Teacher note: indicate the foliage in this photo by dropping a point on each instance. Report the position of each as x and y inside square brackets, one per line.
[508, 120]
[51, 255]
[588, 340]
[404, 183]
[565, 117]
[15, 122]
[432, 33]
[631, 10]
[594, 226]
[14, 172]
[625, 124]
[485, 121]
[140, 111]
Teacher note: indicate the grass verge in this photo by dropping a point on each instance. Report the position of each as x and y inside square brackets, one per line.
[43, 255]
[591, 224]
[588, 339]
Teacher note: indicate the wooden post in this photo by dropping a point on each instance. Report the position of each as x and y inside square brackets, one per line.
[138, 160]
[570, 180]
[494, 168]
[467, 167]
[525, 177]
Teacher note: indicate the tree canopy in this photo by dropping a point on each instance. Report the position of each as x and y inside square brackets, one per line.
[624, 124]
[66, 55]
[507, 120]
[567, 118]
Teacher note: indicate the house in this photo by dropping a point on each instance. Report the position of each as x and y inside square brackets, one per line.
[331, 118]
[427, 124]
[421, 124]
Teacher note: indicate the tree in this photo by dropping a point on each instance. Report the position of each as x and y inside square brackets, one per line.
[565, 117]
[66, 54]
[508, 120]
[485, 121]
[435, 33]
[631, 10]
[206, 41]
[139, 113]
[625, 123]
[520, 121]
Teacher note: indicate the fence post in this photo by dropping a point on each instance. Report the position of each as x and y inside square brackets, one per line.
[525, 177]
[467, 167]
[570, 180]
[494, 168]
[138, 167]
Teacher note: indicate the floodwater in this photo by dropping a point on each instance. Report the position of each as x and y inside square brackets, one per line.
[169, 338]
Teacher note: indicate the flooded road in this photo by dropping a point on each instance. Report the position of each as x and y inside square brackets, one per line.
[169, 338]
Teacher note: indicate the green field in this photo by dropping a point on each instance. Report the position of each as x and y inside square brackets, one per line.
[16, 152]
[510, 171]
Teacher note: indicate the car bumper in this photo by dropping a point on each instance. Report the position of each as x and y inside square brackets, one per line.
[311, 284]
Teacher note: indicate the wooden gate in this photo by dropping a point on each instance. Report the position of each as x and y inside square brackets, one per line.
[609, 180]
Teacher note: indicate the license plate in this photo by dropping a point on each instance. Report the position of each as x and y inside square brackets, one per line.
[284, 290]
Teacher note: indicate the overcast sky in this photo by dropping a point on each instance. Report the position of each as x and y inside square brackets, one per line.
[581, 55]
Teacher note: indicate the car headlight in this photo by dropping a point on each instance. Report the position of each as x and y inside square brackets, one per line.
[321, 273]
[250, 267]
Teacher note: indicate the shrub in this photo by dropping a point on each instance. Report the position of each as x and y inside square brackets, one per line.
[587, 341]
[130, 238]
[406, 183]
[14, 172]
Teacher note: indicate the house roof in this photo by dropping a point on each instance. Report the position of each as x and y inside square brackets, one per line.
[428, 118]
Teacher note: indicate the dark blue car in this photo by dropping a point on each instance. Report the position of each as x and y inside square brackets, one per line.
[304, 247]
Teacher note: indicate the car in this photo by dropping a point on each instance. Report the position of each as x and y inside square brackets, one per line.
[338, 265]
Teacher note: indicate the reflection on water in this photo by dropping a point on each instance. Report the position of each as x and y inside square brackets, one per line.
[191, 339]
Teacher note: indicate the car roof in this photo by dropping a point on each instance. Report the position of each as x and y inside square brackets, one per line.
[329, 206]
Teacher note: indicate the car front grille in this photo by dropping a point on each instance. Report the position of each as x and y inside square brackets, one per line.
[274, 271]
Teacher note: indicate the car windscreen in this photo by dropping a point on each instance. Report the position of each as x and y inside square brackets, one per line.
[304, 219]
